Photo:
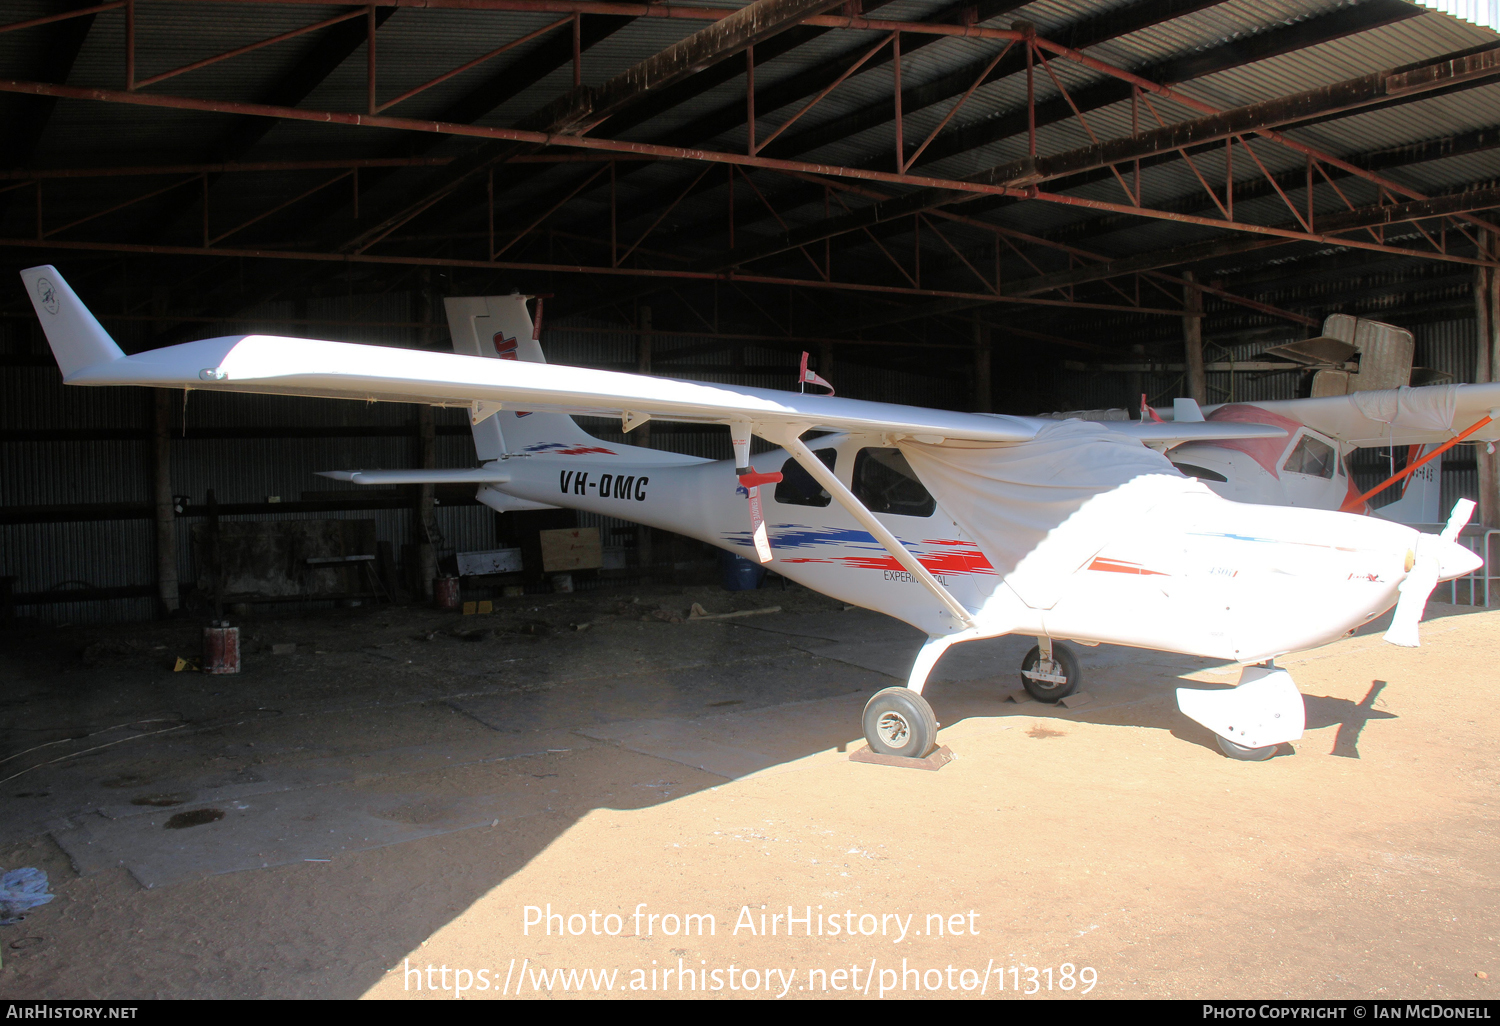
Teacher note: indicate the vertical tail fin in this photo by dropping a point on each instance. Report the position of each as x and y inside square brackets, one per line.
[499, 327]
[78, 340]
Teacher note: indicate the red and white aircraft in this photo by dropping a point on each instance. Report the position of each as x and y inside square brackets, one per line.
[964, 525]
[1308, 467]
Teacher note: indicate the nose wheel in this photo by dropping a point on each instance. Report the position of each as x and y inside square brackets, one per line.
[1244, 754]
[898, 721]
[1050, 673]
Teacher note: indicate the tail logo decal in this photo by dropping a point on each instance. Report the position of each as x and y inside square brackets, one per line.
[505, 348]
[568, 449]
[47, 293]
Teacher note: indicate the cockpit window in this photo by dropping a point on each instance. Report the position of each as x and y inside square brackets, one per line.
[1313, 457]
[797, 487]
[885, 483]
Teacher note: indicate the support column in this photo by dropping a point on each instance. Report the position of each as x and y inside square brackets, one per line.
[426, 519]
[1192, 341]
[166, 515]
[1135, 381]
[642, 436]
[424, 530]
[1487, 368]
[983, 400]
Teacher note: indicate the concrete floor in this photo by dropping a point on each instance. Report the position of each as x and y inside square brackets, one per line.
[400, 789]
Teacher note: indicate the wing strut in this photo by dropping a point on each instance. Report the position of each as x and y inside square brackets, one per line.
[1353, 505]
[790, 440]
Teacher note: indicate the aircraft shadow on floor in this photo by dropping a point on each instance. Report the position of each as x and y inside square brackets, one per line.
[756, 697]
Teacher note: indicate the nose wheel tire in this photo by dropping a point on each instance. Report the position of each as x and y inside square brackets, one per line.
[1050, 680]
[1242, 753]
[898, 721]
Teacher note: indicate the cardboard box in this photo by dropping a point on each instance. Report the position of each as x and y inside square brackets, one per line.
[571, 548]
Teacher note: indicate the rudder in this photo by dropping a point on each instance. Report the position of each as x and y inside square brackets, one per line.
[500, 328]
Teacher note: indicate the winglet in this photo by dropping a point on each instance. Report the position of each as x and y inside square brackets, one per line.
[78, 340]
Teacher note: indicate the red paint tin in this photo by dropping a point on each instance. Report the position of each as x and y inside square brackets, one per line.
[445, 592]
[221, 648]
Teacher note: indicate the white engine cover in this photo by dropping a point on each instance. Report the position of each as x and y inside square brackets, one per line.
[1265, 709]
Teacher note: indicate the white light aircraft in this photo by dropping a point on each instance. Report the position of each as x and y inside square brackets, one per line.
[965, 525]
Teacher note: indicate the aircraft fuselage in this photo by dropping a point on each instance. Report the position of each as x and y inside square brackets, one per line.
[1207, 577]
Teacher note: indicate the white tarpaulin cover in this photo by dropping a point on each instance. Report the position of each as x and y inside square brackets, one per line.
[1041, 509]
[1429, 408]
[1424, 415]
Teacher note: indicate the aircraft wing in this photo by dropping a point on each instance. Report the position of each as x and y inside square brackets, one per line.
[1397, 416]
[341, 370]
[1171, 433]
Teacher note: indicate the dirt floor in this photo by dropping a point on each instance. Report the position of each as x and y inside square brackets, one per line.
[410, 789]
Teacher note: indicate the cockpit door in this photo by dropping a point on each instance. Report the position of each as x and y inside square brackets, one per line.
[1312, 472]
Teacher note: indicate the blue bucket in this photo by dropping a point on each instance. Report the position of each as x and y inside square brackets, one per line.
[736, 573]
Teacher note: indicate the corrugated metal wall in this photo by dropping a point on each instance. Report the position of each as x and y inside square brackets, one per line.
[1451, 346]
[228, 443]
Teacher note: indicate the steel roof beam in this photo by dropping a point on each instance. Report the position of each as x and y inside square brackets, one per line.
[26, 117]
[547, 56]
[1477, 199]
[1313, 31]
[807, 83]
[666, 99]
[421, 260]
[1347, 97]
[1339, 98]
[333, 47]
[1080, 35]
[733, 115]
[1309, 32]
[1366, 217]
[542, 60]
[584, 106]
[1084, 33]
[1475, 141]
[929, 185]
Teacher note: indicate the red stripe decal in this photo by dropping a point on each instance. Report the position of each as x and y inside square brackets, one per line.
[1120, 566]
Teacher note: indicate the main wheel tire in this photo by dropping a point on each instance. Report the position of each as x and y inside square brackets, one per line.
[1242, 753]
[898, 721]
[1066, 663]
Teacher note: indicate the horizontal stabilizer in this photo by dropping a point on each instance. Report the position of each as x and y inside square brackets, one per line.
[501, 502]
[458, 475]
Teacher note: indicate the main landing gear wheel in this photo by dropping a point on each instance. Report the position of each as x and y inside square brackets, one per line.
[898, 721]
[1050, 680]
[1242, 753]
